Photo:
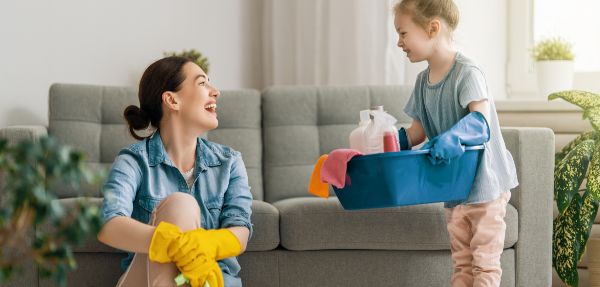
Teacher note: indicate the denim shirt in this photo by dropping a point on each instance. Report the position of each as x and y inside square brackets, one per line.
[143, 175]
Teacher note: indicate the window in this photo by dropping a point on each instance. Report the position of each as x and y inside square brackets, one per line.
[573, 21]
[530, 21]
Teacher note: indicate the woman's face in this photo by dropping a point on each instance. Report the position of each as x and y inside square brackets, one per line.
[198, 99]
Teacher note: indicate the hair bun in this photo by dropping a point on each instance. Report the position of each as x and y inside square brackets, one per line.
[137, 119]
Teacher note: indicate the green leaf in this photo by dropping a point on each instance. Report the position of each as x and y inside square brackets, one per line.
[553, 49]
[193, 55]
[56, 209]
[587, 214]
[591, 135]
[593, 183]
[5, 273]
[570, 172]
[45, 272]
[565, 242]
[28, 170]
[589, 102]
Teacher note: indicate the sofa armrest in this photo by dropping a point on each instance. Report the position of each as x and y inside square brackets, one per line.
[533, 152]
[16, 134]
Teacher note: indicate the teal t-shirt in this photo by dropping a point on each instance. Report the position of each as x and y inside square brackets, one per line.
[441, 105]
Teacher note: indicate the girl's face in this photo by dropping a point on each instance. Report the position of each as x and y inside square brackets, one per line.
[198, 99]
[412, 38]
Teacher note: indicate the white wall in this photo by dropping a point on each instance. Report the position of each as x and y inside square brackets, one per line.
[480, 35]
[110, 42]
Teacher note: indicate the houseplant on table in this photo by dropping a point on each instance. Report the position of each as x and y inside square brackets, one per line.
[578, 160]
[34, 225]
[554, 65]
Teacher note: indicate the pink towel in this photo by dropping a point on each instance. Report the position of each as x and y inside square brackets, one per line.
[334, 167]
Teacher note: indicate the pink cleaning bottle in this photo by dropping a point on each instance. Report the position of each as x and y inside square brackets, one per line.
[390, 140]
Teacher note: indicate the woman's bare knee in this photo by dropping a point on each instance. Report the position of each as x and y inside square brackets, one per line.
[180, 209]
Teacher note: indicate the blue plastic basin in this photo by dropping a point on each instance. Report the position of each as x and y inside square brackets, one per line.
[406, 178]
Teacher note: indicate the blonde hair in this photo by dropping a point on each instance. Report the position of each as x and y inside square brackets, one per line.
[423, 11]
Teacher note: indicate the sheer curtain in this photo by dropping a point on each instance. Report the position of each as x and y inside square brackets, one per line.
[330, 42]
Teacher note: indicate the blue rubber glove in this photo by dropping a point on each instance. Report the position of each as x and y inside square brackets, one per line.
[471, 130]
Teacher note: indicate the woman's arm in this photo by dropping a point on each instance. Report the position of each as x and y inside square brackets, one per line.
[416, 133]
[127, 234]
[237, 207]
[119, 190]
[130, 235]
[242, 234]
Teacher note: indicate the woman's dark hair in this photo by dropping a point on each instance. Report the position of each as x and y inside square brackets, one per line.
[163, 75]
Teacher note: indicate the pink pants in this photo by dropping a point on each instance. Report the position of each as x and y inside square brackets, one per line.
[477, 241]
[180, 209]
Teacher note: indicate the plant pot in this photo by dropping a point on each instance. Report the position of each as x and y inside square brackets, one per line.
[554, 76]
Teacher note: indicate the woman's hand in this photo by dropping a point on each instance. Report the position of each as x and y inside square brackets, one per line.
[196, 252]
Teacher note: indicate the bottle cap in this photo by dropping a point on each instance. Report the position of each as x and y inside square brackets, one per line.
[364, 116]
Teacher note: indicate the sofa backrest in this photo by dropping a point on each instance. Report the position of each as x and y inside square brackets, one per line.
[90, 118]
[302, 123]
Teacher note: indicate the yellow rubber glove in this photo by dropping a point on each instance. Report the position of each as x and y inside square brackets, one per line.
[164, 235]
[216, 244]
[197, 251]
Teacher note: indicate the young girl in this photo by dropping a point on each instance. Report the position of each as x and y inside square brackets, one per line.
[451, 106]
[179, 202]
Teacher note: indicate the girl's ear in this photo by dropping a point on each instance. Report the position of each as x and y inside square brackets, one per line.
[171, 100]
[434, 28]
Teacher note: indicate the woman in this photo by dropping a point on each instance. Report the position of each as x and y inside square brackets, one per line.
[174, 201]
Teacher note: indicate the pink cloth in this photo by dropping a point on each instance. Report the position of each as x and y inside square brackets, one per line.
[334, 167]
[477, 241]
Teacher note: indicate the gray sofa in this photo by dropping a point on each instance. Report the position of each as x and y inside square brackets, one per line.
[301, 240]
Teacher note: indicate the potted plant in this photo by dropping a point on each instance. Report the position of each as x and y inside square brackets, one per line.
[34, 224]
[577, 205]
[193, 55]
[554, 65]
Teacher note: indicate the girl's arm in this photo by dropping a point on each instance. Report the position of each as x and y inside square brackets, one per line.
[416, 133]
[127, 234]
[481, 106]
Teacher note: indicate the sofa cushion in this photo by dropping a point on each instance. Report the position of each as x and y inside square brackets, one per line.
[265, 219]
[359, 268]
[91, 244]
[302, 123]
[90, 118]
[317, 224]
[85, 189]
